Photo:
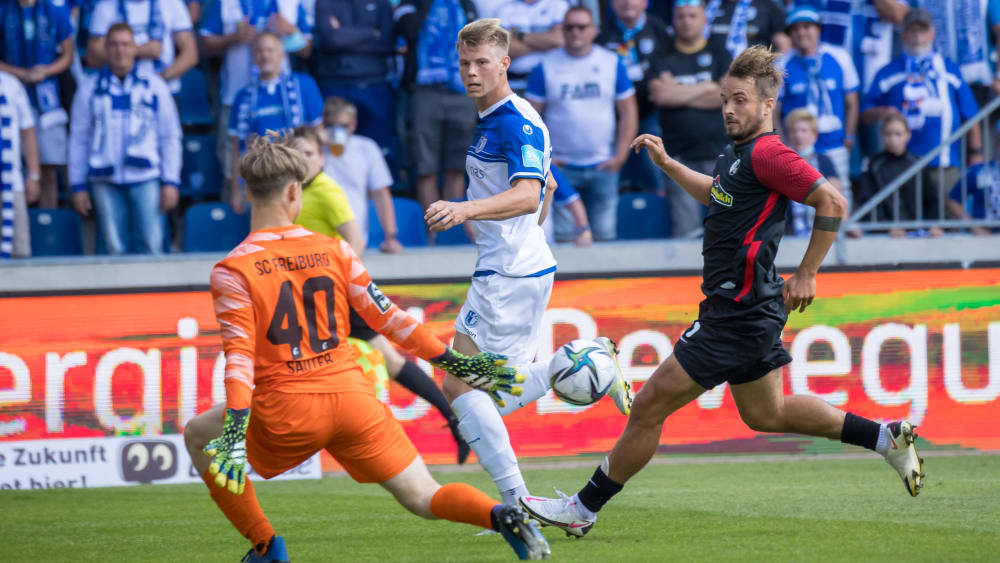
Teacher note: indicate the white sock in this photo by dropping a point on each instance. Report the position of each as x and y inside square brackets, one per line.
[483, 429]
[582, 511]
[536, 384]
[882, 445]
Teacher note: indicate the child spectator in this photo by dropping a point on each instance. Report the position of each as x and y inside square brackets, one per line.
[802, 130]
[885, 167]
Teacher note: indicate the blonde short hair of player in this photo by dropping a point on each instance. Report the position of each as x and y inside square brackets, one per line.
[270, 164]
[757, 63]
[486, 31]
[801, 114]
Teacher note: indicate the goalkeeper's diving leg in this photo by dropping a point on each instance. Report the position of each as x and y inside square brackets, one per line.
[418, 492]
[242, 510]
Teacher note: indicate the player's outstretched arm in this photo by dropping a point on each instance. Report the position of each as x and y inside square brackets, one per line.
[229, 451]
[800, 289]
[482, 371]
[234, 312]
[695, 183]
[522, 198]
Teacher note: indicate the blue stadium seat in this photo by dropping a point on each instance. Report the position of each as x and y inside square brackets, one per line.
[643, 216]
[454, 236]
[201, 174]
[409, 223]
[213, 227]
[55, 232]
[192, 100]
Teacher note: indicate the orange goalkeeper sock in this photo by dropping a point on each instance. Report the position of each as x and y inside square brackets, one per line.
[459, 502]
[243, 511]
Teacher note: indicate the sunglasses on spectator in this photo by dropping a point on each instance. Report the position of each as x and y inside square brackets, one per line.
[576, 26]
[680, 3]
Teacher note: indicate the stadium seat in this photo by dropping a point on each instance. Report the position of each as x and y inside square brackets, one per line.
[454, 236]
[55, 232]
[643, 216]
[409, 223]
[213, 227]
[201, 174]
[192, 100]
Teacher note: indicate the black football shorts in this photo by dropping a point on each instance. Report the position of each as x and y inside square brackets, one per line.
[731, 343]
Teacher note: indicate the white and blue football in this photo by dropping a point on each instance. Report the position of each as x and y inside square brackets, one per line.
[581, 372]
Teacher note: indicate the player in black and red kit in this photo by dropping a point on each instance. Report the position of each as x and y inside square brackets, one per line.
[737, 337]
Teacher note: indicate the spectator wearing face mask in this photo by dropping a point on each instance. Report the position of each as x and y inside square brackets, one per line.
[929, 91]
[357, 164]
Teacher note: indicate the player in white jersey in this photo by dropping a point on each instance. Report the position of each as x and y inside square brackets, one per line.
[508, 164]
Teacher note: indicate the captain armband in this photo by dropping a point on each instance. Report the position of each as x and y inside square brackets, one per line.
[831, 224]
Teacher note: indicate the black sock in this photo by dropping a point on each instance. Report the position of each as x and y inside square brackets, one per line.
[598, 491]
[495, 517]
[421, 385]
[860, 431]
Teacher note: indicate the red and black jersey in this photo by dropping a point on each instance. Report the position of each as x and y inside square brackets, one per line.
[746, 217]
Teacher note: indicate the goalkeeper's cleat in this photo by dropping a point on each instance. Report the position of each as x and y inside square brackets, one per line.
[559, 512]
[276, 552]
[620, 391]
[519, 531]
[902, 455]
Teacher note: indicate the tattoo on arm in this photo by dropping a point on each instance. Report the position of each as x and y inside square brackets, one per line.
[831, 224]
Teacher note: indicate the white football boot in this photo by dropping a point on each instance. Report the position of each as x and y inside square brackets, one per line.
[902, 455]
[620, 391]
[559, 512]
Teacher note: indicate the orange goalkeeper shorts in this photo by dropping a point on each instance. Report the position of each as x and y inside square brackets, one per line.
[357, 429]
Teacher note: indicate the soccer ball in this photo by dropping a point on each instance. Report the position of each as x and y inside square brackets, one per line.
[581, 372]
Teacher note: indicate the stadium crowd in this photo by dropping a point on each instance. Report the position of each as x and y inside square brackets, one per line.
[112, 108]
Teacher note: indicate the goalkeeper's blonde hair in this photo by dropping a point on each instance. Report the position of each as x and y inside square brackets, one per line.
[270, 164]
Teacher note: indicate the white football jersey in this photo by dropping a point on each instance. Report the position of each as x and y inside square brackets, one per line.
[511, 142]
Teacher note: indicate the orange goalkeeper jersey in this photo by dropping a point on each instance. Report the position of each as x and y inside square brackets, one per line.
[282, 299]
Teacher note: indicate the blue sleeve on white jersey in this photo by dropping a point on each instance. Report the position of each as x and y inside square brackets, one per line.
[312, 100]
[211, 22]
[523, 147]
[536, 85]
[565, 193]
[305, 26]
[875, 96]
[623, 84]
[971, 179]
[967, 106]
[64, 29]
[992, 13]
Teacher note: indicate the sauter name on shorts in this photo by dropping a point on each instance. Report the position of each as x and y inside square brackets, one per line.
[291, 263]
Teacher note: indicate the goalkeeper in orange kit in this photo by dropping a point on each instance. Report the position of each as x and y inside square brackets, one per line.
[293, 387]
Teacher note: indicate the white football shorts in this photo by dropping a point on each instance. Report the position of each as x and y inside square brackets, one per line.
[502, 314]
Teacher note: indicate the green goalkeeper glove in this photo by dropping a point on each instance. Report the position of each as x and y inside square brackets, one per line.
[484, 371]
[229, 452]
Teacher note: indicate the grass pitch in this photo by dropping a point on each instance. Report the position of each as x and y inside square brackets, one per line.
[815, 510]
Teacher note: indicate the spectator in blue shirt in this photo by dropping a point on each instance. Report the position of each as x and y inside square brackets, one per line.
[822, 79]
[275, 100]
[982, 196]
[228, 28]
[36, 47]
[802, 130]
[125, 147]
[930, 93]
[584, 93]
